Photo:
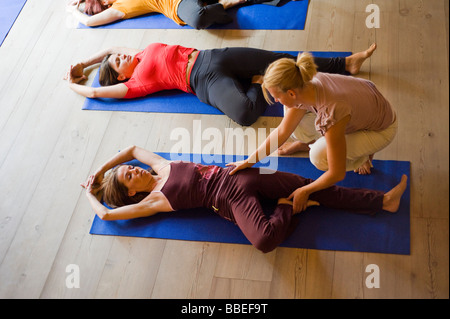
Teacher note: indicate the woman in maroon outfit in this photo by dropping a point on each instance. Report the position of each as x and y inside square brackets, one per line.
[134, 192]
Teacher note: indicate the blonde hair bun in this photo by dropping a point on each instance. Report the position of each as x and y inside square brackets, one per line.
[286, 74]
[305, 62]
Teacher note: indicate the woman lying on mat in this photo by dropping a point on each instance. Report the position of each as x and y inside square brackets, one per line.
[341, 120]
[228, 78]
[134, 192]
[198, 14]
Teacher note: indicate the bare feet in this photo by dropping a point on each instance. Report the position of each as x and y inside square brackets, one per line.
[391, 200]
[365, 169]
[289, 148]
[354, 62]
[230, 3]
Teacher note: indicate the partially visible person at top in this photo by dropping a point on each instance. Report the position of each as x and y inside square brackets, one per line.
[198, 14]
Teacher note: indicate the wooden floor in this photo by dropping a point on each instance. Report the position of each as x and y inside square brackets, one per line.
[48, 145]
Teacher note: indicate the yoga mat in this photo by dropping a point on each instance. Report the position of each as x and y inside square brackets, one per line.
[9, 11]
[318, 228]
[288, 15]
[176, 101]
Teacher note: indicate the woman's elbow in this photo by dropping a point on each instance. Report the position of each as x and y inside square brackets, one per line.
[92, 22]
[103, 214]
[265, 243]
[87, 21]
[93, 93]
[339, 176]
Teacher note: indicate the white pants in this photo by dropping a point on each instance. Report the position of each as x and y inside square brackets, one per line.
[360, 145]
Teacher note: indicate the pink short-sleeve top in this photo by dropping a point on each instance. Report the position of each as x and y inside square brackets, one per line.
[338, 96]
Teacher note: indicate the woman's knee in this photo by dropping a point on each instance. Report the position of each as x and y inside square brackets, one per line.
[318, 154]
[245, 110]
[245, 117]
[237, 107]
[200, 21]
[193, 13]
[264, 244]
[203, 17]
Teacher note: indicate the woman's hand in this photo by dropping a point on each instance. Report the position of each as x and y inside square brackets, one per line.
[285, 201]
[97, 176]
[93, 182]
[239, 166]
[73, 5]
[300, 200]
[90, 187]
[75, 74]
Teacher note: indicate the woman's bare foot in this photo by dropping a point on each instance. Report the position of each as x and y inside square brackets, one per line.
[391, 200]
[230, 3]
[289, 148]
[354, 62]
[365, 169]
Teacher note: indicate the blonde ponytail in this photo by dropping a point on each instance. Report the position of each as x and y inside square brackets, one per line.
[305, 62]
[286, 74]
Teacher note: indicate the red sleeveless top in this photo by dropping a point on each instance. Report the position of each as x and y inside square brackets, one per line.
[161, 67]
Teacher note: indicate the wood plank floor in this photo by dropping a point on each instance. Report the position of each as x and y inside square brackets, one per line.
[48, 145]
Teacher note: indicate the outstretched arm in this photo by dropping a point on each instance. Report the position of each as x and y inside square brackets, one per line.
[107, 16]
[77, 69]
[98, 57]
[155, 161]
[336, 157]
[135, 152]
[116, 91]
[152, 204]
[76, 74]
[275, 139]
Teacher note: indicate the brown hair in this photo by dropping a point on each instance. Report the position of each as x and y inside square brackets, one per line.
[92, 7]
[286, 74]
[115, 194]
[107, 75]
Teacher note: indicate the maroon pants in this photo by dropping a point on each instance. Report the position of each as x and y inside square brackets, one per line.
[267, 233]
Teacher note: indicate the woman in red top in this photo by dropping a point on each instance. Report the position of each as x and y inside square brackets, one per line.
[135, 192]
[228, 79]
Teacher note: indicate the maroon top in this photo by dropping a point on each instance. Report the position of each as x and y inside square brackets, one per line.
[192, 185]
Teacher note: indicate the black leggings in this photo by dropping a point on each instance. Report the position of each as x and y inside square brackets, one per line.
[222, 78]
[200, 16]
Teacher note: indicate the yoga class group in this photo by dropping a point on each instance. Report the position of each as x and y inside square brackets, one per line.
[338, 120]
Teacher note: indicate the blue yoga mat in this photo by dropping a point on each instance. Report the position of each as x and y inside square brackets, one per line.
[288, 15]
[318, 228]
[9, 11]
[175, 101]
